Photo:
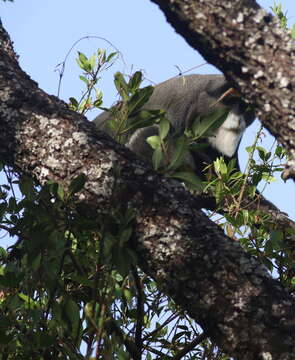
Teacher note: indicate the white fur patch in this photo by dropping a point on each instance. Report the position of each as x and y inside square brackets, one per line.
[228, 135]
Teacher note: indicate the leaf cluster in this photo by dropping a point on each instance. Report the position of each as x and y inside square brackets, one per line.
[69, 286]
[92, 67]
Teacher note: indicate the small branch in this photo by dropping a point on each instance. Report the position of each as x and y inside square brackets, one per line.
[140, 310]
[126, 340]
[249, 166]
[171, 318]
[189, 347]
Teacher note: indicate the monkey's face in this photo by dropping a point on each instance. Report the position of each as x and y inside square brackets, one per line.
[233, 101]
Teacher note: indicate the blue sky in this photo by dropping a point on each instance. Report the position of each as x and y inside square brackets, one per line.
[44, 31]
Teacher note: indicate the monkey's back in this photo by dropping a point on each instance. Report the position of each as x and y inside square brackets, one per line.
[183, 98]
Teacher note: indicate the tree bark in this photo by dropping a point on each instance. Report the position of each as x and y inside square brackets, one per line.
[227, 291]
[250, 47]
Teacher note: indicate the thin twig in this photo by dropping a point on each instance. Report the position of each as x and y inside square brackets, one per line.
[189, 347]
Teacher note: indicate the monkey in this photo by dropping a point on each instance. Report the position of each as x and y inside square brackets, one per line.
[184, 99]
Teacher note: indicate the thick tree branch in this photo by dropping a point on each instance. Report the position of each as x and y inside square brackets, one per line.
[228, 292]
[249, 46]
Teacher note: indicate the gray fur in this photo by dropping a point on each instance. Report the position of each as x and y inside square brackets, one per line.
[184, 98]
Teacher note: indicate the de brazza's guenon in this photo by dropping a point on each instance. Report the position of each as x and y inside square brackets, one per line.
[184, 99]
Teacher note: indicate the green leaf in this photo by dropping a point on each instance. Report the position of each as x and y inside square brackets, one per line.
[279, 152]
[111, 56]
[83, 58]
[164, 127]
[83, 281]
[218, 192]
[26, 185]
[77, 184]
[276, 238]
[98, 94]
[74, 102]
[60, 192]
[154, 141]
[232, 166]
[29, 302]
[98, 100]
[123, 258]
[5, 339]
[203, 126]
[43, 339]
[263, 153]
[267, 263]
[3, 209]
[121, 86]
[220, 166]
[101, 53]
[128, 295]
[246, 215]
[149, 356]
[97, 103]
[236, 175]
[122, 355]
[268, 178]
[144, 118]
[3, 256]
[189, 178]
[125, 236]
[250, 149]
[83, 78]
[35, 263]
[109, 241]
[256, 178]
[293, 32]
[83, 62]
[137, 123]
[181, 148]
[136, 102]
[135, 81]
[72, 312]
[92, 61]
[12, 204]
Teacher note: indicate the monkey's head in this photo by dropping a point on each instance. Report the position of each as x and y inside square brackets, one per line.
[222, 93]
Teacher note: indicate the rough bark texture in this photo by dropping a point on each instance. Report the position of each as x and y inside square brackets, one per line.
[249, 46]
[228, 292]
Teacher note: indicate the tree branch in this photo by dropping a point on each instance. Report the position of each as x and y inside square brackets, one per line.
[227, 291]
[249, 46]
